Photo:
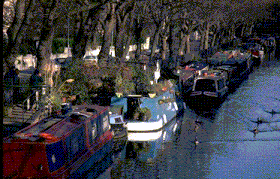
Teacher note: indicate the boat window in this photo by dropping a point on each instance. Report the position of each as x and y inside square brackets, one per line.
[189, 81]
[220, 84]
[106, 124]
[205, 85]
[75, 142]
[92, 131]
[118, 119]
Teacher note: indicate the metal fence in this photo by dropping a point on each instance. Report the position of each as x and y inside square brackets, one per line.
[24, 96]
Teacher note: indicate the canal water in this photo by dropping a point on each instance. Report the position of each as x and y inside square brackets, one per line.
[227, 146]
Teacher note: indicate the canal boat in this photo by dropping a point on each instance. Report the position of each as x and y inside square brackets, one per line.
[255, 49]
[119, 126]
[239, 63]
[117, 122]
[196, 66]
[209, 87]
[187, 74]
[186, 81]
[150, 113]
[60, 146]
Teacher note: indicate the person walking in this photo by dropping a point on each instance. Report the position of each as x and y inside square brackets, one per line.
[11, 79]
[35, 83]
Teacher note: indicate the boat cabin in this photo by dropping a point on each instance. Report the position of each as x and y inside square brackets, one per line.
[186, 81]
[59, 146]
[211, 83]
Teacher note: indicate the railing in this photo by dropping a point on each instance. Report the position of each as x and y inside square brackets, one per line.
[39, 94]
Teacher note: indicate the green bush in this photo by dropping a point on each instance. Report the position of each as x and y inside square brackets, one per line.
[59, 44]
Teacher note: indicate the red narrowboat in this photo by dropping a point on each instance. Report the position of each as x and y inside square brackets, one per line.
[60, 146]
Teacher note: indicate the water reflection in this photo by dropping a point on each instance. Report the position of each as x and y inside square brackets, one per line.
[143, 151]
[147, 146]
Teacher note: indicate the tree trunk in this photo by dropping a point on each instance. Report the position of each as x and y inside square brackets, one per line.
[232, 30]
[154, 43]
[108, 26]
[44, 50]
[214, 40]
[124, 25]
[188, 44]
[207, 36]
[84, 25]
[202, 41]
[251, 29]
[80, 44]
[182, 44]
[17, 30]
[119, 45]
[127, 44]
[138, 31]
[242, 31]
[164, 48]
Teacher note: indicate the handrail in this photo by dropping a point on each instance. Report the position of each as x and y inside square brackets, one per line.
[40, 106]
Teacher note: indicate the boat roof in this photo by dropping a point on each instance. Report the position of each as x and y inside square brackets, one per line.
[59, 126]
[215, 78]
[186, 74]
[196, 65]
[212, 74]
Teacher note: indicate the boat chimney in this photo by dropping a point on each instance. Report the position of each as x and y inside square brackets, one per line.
[65, 108]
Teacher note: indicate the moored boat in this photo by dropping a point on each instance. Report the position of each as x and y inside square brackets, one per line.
[209, 88]
[186, 81]
[150, 113]
[240, 63]
[119, 126]
[60, 146]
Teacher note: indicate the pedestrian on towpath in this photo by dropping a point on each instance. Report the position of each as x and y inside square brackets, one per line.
[11, 80]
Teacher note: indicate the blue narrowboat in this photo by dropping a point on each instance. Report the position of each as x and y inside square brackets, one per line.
[162, 109]
[60, 146]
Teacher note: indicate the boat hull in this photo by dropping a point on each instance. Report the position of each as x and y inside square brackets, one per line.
[93, 164]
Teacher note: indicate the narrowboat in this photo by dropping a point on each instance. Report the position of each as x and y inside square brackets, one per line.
[117, 122]
[60, 146]
[119, 127]
[196, 66]
[240, 63]
[256, 50]
[209, 88]
[144, 113]
[186, 76]
[186, 81]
